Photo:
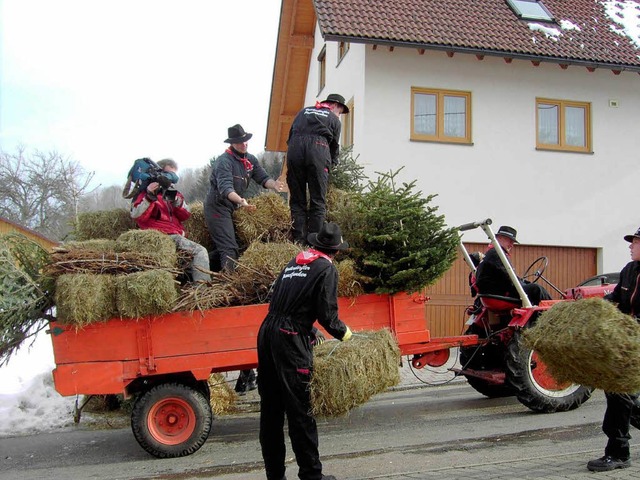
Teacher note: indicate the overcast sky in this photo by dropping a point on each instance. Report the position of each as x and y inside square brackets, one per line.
[105, 83]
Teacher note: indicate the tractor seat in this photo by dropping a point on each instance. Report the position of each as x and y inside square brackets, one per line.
[498, 303]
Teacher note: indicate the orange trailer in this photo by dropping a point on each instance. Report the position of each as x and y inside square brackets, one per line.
[166, 360]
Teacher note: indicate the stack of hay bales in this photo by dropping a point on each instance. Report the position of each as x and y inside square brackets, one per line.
[132, 277]
[348, 374]
[588, 342]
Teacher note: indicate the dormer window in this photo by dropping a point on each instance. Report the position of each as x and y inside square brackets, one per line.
[530, 10]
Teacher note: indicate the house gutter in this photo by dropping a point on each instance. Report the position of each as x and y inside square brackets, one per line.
[493, 53]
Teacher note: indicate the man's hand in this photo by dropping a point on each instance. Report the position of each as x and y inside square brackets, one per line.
[153, 187]
[247, 205]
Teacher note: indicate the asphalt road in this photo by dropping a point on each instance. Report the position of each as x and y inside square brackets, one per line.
[410, 433]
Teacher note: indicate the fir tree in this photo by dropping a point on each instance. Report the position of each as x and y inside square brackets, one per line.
[402, 244]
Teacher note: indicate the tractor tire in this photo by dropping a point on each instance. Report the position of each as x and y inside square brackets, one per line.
[534, 387]
[488, 357]
[171, 420]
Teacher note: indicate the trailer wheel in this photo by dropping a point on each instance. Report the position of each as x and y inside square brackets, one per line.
[484, 358]
[535, 387]
[171, 420]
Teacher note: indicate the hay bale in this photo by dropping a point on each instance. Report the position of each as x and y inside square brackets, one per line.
[205, 296]
[348, 374]
[85, 298]
[350, 282]
[270, 222]
[152, 243]
[222, 397]
[103, 245]
[109, 224]
[196, 227]
[589, 342]
[141, 294]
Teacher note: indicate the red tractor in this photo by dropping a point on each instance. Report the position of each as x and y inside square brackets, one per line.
[500, 365]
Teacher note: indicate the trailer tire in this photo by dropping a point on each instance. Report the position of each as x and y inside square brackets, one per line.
[534, 387]
[171, 420]
[488, 357]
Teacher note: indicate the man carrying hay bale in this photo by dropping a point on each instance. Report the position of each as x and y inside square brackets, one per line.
[622, 408]
[230, 177]
[164, 210]
[305, 291]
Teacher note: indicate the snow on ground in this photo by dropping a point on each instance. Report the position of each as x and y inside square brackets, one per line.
[29, 402]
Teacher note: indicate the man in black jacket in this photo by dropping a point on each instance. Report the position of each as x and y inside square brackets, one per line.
[622, 408]
[313, 147]
[492, 277]
[230, 176]
[305, 291]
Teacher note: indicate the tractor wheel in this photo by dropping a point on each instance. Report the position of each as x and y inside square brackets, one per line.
[535, 387]
[171, 420]
[487, 357]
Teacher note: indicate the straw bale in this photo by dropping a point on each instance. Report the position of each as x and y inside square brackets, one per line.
[589, 342]
[103, 224]
[348, 374]
[222, 398]
[350, 282]
[151, 243]
[93, 245]
[141, 294]
[196, 227]
[258, 267]
[205, 296]
[270, 222]
[85, 298]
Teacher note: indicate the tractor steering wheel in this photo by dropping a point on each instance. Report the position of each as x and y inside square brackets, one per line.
[536, 269]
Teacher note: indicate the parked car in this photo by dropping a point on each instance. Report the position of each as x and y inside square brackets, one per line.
[602, 279]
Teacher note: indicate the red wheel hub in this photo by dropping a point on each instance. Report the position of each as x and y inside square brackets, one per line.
[542, 376]
[171, 421]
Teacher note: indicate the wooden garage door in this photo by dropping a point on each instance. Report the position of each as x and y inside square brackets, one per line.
[449, 297]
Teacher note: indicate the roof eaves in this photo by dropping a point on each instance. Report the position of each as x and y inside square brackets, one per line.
[480, 51]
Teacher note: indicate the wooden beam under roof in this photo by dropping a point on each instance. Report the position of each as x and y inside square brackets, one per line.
[291, 70]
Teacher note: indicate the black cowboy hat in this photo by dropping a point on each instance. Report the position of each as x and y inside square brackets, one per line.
[329, 238]
[508, 232]
[339, 99]
[629, 238]
[237, 134]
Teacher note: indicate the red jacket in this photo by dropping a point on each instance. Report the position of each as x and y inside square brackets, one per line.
[159, 214]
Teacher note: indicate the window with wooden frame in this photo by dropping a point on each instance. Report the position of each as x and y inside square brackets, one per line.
[346, 136]
[322, 68]
[563, 125]
[440, 115]
[343, 48]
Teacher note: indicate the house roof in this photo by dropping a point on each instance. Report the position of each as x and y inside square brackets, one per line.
[589, 32]
[7, 226]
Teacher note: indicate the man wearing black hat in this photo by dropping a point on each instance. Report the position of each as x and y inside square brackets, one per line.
[622, 408]
[492, 277]
[230, 176]
[232, 171]
[313, 147]
[305, 291]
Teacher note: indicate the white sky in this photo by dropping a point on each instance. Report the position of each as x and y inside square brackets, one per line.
[105, 83]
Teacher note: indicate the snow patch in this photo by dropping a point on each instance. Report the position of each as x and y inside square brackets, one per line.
[625, 14]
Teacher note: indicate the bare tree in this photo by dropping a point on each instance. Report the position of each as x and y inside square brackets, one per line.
[104, 198]
[41, 190]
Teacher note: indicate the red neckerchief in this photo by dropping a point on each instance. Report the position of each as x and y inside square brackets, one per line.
[310, 255]
[323, 105]
[248, 166]
[508, 254]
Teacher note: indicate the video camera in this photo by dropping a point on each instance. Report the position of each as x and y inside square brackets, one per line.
[155, 173]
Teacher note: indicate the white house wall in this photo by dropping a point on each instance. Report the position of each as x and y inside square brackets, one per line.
[552, 198]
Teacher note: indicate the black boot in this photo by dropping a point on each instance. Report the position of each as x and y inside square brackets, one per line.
[241, 383]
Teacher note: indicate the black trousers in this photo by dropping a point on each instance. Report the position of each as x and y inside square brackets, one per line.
[308, 161]
[535, 293]
[617, 417]
[285, 363]
[219, 220]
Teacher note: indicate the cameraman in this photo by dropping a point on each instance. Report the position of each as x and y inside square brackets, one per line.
[163, 208]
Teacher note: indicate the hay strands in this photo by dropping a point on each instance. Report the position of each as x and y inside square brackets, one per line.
[113, 263]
